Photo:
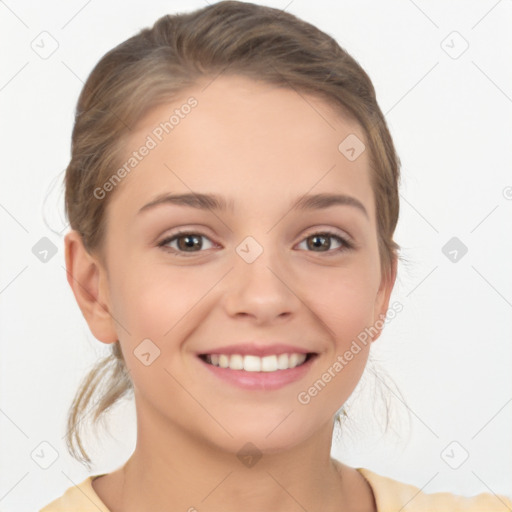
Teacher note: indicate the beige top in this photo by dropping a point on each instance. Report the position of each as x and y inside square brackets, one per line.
[390, 496]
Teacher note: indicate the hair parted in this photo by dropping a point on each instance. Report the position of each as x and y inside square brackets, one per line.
[163, 61]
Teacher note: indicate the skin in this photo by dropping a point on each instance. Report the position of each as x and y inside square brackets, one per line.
[261, 147]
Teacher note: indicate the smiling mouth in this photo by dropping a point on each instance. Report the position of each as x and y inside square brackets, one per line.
[253, 363]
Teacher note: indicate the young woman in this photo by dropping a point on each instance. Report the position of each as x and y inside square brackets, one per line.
[233, 194]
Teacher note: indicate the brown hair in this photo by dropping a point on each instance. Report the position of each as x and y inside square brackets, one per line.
[158, 63]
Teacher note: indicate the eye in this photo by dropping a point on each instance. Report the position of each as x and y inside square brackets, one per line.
[321, 240]
[184, 241]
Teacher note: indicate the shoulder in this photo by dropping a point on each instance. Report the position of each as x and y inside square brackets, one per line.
[78, 498]
[392, 495]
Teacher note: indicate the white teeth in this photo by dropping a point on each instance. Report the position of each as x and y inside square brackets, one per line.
[269, 364]
[251, 363]
[236, 362]
[282, 361]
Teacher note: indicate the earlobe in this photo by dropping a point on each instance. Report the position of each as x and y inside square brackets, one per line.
[87, 278]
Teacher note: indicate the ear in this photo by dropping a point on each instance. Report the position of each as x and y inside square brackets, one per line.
[88, 279]
[383, 296]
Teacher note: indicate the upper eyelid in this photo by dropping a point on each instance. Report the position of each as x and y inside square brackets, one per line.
[329, 231]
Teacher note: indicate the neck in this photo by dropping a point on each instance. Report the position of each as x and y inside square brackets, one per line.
[170, 470]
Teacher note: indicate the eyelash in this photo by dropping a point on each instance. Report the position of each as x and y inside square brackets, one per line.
[346, 245]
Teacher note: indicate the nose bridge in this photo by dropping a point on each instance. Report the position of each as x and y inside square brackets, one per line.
[259, 284]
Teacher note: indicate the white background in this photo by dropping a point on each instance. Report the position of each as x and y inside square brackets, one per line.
[449, 351]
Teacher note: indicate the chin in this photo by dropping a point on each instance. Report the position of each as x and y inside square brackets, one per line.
[269, 436]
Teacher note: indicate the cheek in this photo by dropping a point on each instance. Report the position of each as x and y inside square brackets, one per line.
[345, 309]
[150, 302]
[344, 302]
[165, 308]
[156, 313]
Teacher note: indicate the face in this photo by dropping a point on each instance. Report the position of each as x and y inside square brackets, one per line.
[258, 276]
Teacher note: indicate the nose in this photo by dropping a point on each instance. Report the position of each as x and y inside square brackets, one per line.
[262, 290]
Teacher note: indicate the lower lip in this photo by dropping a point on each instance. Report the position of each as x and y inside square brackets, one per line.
[260, 380]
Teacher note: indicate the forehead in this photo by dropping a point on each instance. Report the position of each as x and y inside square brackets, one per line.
[238, 137]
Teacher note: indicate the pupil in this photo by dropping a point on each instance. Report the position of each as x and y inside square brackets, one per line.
[191, 242]
[322, 237]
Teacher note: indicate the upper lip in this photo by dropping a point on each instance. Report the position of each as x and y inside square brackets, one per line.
[257, 349]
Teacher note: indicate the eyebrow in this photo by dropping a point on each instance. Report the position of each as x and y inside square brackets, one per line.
[215, 202]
